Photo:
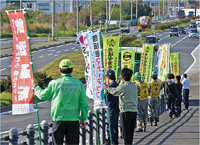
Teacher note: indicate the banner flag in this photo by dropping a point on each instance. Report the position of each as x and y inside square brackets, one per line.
[21, 70]
[88, 72]
[128, 60]
[174, 64]
[111, 53]
[97, 69]
[164, 62]
[158, 58]
[146, 63]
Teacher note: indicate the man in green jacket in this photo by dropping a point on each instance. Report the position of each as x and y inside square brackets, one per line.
[128, 101]
[69, 104]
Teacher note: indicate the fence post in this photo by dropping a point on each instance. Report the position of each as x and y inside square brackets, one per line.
[30, 134]
[44, 132]
[97, 141]
[102, 126]
[13, 136]
[90, 118]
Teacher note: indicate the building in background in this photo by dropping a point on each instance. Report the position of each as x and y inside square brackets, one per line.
[46, 5]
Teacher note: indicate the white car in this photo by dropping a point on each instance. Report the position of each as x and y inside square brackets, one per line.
[198, 21]
[198, 28]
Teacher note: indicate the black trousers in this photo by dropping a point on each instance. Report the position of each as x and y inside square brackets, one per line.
[171, 105]
[128, 121]
[67, 129]
[186, 98]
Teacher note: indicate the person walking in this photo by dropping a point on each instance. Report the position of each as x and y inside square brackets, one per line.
[171, 93]
[186, 91]
[179, 99]
[142, 103]
[154, 100]
[127, 104]
[113, 105]
[68, 103]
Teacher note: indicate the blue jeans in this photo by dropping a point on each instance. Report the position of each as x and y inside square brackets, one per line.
[186, 98]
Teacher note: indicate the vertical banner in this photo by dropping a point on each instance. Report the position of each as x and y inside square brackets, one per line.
[128, 60]
[88, 72]
[174, 64]
[97, 69]
[164, 62]
[146, 63]
[159, 52]
[111, 53]
[21, 70]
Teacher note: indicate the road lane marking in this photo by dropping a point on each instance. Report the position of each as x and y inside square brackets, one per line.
[50, 54]
[58, 52]
[164, 38]
[179, 41]
[41, 56]
[193, 58]
[76, 50]
[52, 50]
[2, 69]
[66, 50]
[73, 48]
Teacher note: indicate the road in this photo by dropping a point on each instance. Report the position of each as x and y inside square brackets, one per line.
[181, 44]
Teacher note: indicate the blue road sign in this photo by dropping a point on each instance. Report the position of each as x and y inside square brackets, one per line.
[100, 19]
[181, 4]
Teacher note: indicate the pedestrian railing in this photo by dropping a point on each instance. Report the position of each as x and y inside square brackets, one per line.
[93, 133]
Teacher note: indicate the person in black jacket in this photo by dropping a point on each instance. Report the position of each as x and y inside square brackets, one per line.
[113, 105]
[179, 99]
[171, 93]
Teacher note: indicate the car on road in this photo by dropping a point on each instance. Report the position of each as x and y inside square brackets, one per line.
[181, 30]
[192, 25]
[193, 33]
[198, 28]
[174, 31]
[198, 21]
[152, 40]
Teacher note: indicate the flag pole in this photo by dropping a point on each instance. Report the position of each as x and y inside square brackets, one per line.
[37, 111]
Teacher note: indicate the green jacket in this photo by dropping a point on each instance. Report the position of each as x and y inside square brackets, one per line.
[128, 98]
[68, 99]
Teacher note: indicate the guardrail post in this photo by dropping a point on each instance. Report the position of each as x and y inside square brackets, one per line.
[83, 136]
[44, 132]
[90, 118]
[97, 127]
[13, 136]
[102, 126]
[30, 134]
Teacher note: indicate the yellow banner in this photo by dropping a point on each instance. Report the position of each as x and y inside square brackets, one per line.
[174, 64]
[128, 59]
[111, 53]
[146, 62]
[163, 65]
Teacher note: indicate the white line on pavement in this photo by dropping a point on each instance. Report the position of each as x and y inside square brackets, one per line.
[41, 56]
[76, 50]
[179, 40]
[73, 48]
[2, 69]
[50, 54]
[193, 58]
[164, 38]
[4, 58]
[58, 52]
[52, 50]
[66, 50]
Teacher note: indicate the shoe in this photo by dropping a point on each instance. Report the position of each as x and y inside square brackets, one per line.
[170, 115]
[139, 130]
[176, 115]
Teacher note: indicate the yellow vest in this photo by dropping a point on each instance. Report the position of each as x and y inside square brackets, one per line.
[143, 90]
[155, 89]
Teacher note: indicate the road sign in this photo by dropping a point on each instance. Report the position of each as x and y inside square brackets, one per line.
[100, 19]
[181, 4]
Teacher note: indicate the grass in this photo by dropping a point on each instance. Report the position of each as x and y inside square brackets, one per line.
[6, 47]
[52, 69]
[6, 99]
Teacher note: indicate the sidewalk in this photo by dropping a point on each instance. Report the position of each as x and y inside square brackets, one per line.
[177, 131]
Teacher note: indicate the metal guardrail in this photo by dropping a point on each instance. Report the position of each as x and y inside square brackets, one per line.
[91, 134]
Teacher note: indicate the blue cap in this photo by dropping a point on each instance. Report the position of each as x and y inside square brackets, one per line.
[110, 73]
[185, 75]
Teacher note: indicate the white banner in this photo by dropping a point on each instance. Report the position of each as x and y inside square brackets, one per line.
[86, 53]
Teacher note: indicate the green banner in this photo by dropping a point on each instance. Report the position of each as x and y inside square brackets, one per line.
[146, 63]
[128, 59]
[111, 53]
[174, 64]
[163, 66]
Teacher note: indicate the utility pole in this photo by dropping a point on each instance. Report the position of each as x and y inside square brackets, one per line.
[163, 9]
[131, 12]
[20, 4]
[120, 13]
[106, 16]
[178, 6]
[159, 8]
[53, 19]
[155, 10]
[63, 6]
[91, 20]
[136, 10]
[77, 7]
[109, 11]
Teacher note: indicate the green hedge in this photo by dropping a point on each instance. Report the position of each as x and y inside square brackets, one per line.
[170, 24]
